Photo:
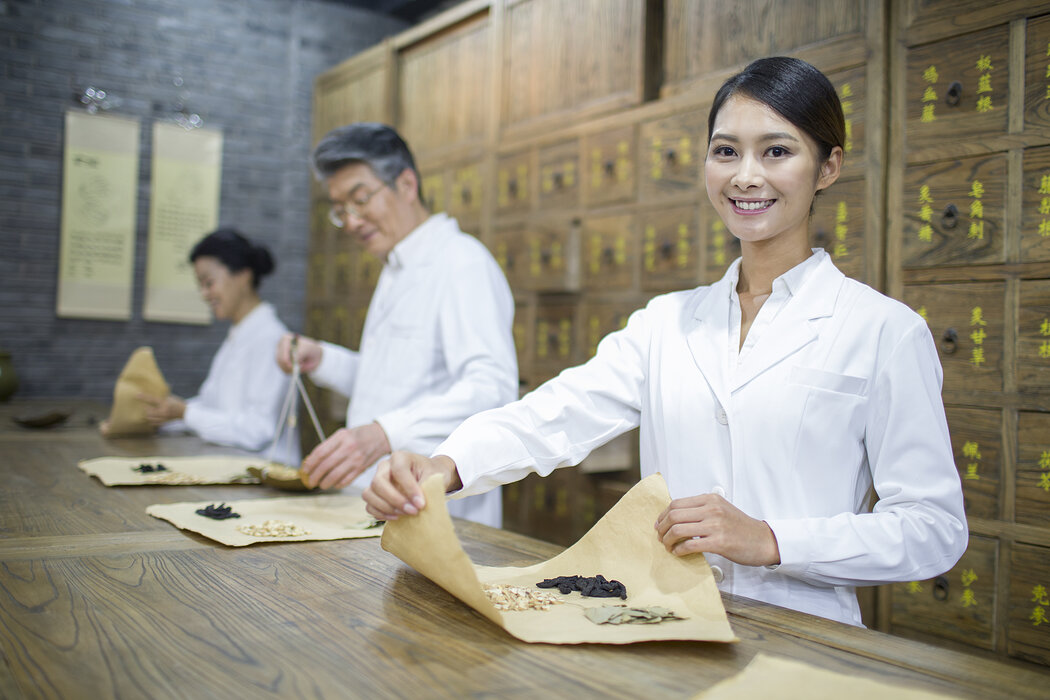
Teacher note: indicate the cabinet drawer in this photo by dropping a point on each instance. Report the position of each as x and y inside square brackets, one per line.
[722, 247]
[514, 186]
[364, 273]
[1028, 624]
[1032, 488]
[1035, 206]
[851, 86]
[670, 248]
[959, 605]
[434, 184]
[957, 89]
[524, 329]
[600, 318]
[954, 212]
[976, 435]
[559, 176]
[837, 226]
[556, 336]
[539, 256]
[1037, 77]
[342, 271]
[610, 166]
[671, 153]
[967, 324]
[1033, 336]
[609, 252]
[465, 194]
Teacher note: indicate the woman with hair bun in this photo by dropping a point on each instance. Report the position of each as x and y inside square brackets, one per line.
[775, 401]
[239, 402]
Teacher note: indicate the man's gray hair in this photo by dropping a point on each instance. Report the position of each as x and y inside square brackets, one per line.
[376, 145]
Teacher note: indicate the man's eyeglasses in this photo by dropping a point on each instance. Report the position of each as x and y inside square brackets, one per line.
[340, 210]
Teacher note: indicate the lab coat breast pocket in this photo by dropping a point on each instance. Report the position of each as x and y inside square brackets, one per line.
[407, 356]
[832, 415]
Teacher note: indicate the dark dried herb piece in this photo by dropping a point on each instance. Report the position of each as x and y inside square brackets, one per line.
[591, 586]
[218, 512]
[146, 468]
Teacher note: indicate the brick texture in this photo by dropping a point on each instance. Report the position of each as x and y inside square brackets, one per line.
[247, 68]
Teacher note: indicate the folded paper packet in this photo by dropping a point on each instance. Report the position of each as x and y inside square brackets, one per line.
[128, 415]
[178, 471]
[319, 517]
[622, 545]
[786, 679]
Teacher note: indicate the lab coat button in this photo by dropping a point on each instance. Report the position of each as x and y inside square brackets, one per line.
[722, 417]
[719, 491]
[716, 571]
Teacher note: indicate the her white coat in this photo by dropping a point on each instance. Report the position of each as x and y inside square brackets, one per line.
[840, 393]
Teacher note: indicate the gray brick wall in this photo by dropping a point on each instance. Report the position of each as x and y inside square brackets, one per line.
[248, 66]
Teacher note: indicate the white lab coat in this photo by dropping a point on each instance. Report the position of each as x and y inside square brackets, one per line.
[840, 393]
[437, 347]
[240, 400]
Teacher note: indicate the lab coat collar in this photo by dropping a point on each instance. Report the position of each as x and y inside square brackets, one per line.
[814, 286]
[414, 250]
[259, 317]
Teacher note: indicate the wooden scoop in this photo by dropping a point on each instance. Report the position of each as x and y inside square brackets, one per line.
[280, 476]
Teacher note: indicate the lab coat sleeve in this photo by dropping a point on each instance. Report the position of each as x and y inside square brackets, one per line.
[337, 370]
[251, 426]
[559, 423]
[475, 315]
[917, 529]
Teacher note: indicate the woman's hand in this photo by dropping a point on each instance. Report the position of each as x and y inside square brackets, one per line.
[161, 410]
[308, 351]
[710, 523]
[395, 488]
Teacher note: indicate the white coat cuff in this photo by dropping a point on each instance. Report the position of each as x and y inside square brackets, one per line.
[397, 426]
[792, 538]
[332, 368]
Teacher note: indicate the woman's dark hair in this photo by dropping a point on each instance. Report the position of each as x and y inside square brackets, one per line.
[233, 249]
[796, 91]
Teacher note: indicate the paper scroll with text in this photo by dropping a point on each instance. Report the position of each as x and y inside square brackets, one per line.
[99, 189]
[184, 206]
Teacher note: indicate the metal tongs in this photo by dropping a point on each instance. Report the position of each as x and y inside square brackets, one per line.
[289, 410]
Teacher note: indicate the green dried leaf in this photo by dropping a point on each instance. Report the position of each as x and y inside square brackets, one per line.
[620, 614]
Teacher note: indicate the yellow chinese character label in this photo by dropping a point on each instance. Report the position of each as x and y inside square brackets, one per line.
[928, 115]
[984, 83]
[930, 74]
[977, 317]
[976, 230]
[977, 189]
[984, 103]
[968, 598]
[971, 450]
[984, 63]
[926, 233]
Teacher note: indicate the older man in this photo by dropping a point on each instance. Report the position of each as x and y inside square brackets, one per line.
[437, 344]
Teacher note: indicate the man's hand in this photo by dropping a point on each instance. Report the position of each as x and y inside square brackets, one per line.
[309, 352]
[161, 410]
[395, 488]
[344, 455]
[710, 523]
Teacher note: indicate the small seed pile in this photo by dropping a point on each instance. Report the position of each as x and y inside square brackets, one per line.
[518, 598]
[146, 468]
[273, 528]
[218, 512]
[623, 615]
[590, 586]
[169, 478]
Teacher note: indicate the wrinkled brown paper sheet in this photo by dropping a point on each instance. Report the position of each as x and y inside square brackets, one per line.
[128, 415]
[785, 679]
[622, 546]
[217, 469]
[327, 517]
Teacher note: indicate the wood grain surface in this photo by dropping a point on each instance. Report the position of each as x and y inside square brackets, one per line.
[97, 599]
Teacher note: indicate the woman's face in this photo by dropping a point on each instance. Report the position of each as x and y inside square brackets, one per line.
[762, 173]
[225, 292]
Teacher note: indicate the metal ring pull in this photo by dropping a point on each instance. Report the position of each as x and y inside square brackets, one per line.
[940, 588]
[949, 341]
[950, 216]
[954, 94]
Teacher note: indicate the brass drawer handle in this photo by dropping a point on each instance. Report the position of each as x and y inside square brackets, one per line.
[512, 188]
[666, 249]
[671, 156]
[954, 94]
[610, 167]
[559, 180]
[949, 341]
[940, 588]
[950, 216]
[820, 237]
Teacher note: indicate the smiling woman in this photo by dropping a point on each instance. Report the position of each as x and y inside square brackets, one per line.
[240, 400]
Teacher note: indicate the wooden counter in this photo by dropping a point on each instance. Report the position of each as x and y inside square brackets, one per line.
[98, 599]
